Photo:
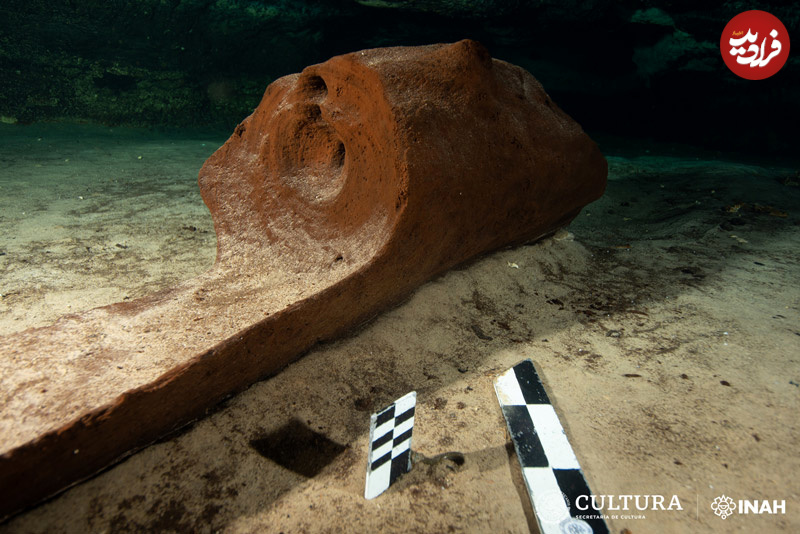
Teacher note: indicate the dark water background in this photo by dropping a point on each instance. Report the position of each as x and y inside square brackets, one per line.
[639, 70]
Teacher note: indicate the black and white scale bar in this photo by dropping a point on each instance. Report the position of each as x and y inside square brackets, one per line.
[390, 444]
[549, 466]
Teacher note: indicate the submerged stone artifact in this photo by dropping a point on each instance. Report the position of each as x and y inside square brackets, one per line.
[351, 184]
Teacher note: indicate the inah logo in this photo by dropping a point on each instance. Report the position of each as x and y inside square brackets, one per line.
[723, 506]
[762, 507]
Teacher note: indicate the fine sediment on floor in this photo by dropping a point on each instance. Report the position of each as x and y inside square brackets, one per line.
[350, 185]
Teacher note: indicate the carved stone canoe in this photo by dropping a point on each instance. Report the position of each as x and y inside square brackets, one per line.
[351, 184]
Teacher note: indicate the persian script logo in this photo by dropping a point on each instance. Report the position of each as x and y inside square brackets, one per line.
[754, 45]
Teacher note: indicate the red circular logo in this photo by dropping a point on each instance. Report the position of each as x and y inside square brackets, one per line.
[754, 45]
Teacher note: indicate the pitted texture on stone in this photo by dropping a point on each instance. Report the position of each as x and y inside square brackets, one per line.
[352, 183]
[440, 144]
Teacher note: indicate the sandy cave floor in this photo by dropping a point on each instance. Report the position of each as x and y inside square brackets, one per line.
[666, 326]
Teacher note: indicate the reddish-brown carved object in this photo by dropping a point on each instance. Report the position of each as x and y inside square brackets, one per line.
[350, 185]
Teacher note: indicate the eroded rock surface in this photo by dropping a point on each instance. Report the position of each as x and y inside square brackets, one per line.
[350, 185]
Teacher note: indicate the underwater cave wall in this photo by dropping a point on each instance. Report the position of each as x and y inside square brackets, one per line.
[641, 68]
